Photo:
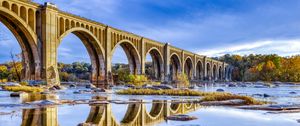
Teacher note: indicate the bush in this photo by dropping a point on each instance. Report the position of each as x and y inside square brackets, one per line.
[136, 80]
[183, 80]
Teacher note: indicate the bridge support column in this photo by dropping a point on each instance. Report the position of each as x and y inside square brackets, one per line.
[49, 46]
[167, 63]
[108, 57]
[143, 58]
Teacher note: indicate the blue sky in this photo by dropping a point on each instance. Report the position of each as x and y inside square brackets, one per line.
[207, 27]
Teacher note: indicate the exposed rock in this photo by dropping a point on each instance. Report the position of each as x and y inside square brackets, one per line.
[260, 86]
[129, 85]
[266, 95]
[98, 102]
[231, 85]
[7, 113]
[298, 120]
[233, 102]
[46, 92]
[181, 117]
[292, 92]
[72, 86]
[84, 124]
[43, 103]
[82, 92]
[90, 86]
[18, 94]
[220, 90]
[277, 107]
[81, 101]
[163, 86]
[257, 95]
[99, 90]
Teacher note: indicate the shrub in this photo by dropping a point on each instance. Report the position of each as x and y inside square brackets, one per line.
[183, 80]
[23, 83]
[137, 80]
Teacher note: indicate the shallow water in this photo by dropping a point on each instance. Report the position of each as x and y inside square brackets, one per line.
[72, 115]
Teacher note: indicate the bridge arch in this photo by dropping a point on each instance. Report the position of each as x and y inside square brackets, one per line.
[26, 38]
[188, 67]
[157, 62]
[132, 54]
[175, 67]
[199, 70]
[95, 51]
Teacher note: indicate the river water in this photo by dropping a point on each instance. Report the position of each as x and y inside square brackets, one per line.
[72, 115]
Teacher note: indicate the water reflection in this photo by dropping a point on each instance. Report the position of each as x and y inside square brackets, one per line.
[42, 116]
[137, 114]
[101, 113]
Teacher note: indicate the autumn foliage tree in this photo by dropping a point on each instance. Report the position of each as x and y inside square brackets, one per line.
[264, 67]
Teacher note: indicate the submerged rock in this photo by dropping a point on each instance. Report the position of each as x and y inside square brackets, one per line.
[181, 117]
[298, 120]
[292, 92]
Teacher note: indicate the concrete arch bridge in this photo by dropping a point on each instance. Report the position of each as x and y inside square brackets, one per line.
[40, 29]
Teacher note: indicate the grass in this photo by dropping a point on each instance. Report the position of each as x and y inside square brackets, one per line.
[207, 96]
[227, 96]
[161, 92]
[22, 89]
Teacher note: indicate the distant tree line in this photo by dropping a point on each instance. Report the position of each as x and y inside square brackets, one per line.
[75, 72]
[264, 67]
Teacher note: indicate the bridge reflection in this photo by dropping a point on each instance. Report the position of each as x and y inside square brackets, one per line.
[101, 114]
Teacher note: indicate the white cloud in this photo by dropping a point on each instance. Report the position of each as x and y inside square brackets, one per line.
[281, 47]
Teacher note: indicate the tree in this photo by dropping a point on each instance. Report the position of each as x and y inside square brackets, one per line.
[3, 73]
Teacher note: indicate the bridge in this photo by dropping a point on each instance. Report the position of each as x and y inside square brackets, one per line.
[40, 29]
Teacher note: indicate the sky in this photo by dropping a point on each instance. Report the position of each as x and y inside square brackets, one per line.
[206, 27]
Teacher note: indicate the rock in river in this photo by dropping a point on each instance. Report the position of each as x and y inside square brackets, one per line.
[220, 90]
[181, 117]
[18, 94]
